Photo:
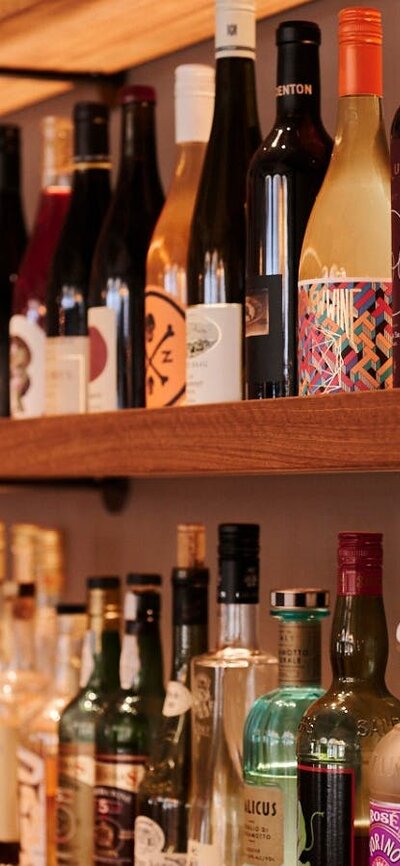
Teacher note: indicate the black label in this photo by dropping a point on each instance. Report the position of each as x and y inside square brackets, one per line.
[264, 329]
[326, 810]
[238, 582]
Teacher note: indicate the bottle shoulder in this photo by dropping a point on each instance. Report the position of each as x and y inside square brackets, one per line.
[233, 656]
[292, 146]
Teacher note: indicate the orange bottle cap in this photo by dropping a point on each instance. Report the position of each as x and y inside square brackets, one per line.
[360, 51]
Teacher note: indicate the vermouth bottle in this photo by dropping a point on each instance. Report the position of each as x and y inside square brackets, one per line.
[225, 683]
[161, 828]
[339, 732]
[269, 759]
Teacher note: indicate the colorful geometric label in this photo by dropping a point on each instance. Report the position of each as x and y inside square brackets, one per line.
[345, 336]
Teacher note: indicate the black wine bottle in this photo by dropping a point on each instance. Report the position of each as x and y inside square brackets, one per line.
[118, 278]
[284, 178]
[217, 246]
[67, 344]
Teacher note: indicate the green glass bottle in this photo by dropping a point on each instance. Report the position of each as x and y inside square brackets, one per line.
[269, 753]
[339, 732]
[99, 678]
[163, 798]
[127, 728]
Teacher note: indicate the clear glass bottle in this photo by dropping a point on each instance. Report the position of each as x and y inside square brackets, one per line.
[161, 828]
[345, 275]
[339, 732]
[225, 683]
[269, 750]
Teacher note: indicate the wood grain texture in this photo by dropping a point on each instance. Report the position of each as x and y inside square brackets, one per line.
[339, 433]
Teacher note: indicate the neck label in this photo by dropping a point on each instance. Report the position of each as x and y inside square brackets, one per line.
[294, 90]
[299, 654]
[178, 699]
[235, 33]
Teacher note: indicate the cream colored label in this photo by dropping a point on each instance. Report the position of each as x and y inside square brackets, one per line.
[67, 371]
[214, 353]
[8, 786]
[200, 854]
[178, 699]
[27, 352]
[32, 808]
[263, 836]
[102, 395]
[129, 664]
[124, 775]
[299, 654]
[79, 767]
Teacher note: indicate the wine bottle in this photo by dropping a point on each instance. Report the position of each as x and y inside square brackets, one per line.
[395, 196]
[166, 278]
[27, 337]
[284, 178]
[13, 243]
[118, 277]
[217, 246]
[345, 288]
[67, 344]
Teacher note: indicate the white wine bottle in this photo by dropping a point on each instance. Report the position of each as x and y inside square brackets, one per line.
[345, 289]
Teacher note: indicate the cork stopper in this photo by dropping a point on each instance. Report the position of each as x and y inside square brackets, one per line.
[191, 545]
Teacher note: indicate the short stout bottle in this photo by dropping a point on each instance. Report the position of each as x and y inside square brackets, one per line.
[166, 266]
[339, 732]
[163, 798]
[117, 282]
[284, 178]
[27, 335]
[67, 343]
[345, 279]
[217, 246]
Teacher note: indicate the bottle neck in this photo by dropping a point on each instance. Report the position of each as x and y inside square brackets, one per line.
[360, 131]
[10, 172]
[141, 667]
[298, 81]
[300, 652]
[138, 136]
[104, 623]
[359, 643]
[22, 649]
[188, 641]
[237, 626]
[235, 94]
[105, 675]
[188, 165]
[67, 662]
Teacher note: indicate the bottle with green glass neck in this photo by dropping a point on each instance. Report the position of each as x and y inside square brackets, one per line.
[126, 729]
[269, 752]
[163, 796]
[99, 679]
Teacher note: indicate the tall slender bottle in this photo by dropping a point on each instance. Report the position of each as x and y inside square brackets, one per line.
[161, 828]
[269, 758]
[27, 349]
[14, 238]
[217, 247]
[284, 178]
[118, 277]
[345, 277]
[124, 730]
[76, 765]
[50, 574]
[166, 266]
[339, 732]
[225, 684]
[67, 344]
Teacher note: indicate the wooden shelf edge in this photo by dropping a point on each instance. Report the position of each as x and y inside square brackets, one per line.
[338, 433]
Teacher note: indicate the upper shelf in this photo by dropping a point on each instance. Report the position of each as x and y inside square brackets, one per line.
[340, 433]
[97, 36]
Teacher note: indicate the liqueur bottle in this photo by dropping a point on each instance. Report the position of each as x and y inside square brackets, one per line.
[118, 277]
[269, 759]
[225, 684]
[345, 288]
[339, 732]
[125, 729]
[384, 791]
[166, 266]
[161, 827]
[284, 178]
[27, 336]
[76, 762]
[67, 344]
[38, 745]
[216, 257]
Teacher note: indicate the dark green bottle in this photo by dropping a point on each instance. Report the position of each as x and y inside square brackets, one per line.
[99, 678]
[127, 727]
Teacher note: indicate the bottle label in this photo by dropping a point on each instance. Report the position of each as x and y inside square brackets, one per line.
[326, 815]
[9, 831]
[263, 836]
[299, 653]
[264, 328]
[67, 367]
[345, 336]
[150, 844]
[102, 390]
[214, 353]
[27, 353]
[201, 854]
[384, 833]
[117, 780]
[178, 699]
[165, 341]
[32, 808]
[74, 803]
[395, 188]
[235, 31]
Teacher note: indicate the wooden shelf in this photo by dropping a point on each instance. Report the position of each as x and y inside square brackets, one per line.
[339, 433]
[103, 36]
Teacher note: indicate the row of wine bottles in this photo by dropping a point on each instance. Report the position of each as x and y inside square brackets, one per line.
[142, 301]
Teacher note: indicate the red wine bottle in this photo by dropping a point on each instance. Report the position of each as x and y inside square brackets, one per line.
[27, 335]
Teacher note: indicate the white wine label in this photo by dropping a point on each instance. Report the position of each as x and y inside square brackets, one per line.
[200, 854]
[32, 808]
[27, 355]
[129, 663]
[178, 699]
[8, 789]
[67, 369]
[263, 826]
[102, 394]
[87, 658]
[214, 353]
[236, 30]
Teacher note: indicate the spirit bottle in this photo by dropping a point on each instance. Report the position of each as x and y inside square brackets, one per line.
[50, 573]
